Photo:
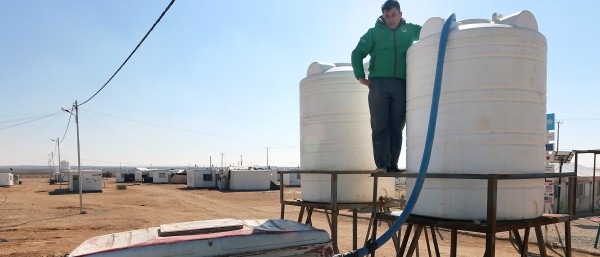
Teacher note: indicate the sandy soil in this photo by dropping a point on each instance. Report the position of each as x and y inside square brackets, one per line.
[37, 219]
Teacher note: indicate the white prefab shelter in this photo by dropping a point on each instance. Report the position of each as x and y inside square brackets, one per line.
[161, 176]
[6, 179]
[248, 180]
[61, 176]
[120, 176]
[291, 179]
[91, 181]
[201, 178]
[128, 176]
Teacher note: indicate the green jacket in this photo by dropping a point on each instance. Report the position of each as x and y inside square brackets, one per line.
[387, 49]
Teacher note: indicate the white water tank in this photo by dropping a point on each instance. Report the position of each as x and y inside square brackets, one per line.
[64, 166]
[491, 117]
[335, 135]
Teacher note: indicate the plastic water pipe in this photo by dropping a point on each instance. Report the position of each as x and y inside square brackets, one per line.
[412, 200]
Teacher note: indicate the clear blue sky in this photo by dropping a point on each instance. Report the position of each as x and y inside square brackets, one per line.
[222, 76]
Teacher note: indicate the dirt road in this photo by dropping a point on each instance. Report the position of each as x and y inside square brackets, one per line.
[37, 219]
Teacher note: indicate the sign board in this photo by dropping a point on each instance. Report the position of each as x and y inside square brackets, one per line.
[549, 136]
[565, 156]
[550, 121]
[549, 189]
[549, 168]
[549, 147]
[548, 199]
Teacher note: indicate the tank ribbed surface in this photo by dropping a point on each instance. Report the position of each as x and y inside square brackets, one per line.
[491, 117]
[335, 134]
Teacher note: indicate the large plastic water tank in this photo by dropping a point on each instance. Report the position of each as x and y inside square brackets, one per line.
[491, 117]
[335, 135]
[64, 166]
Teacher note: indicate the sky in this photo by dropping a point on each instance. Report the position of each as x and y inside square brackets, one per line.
[218, 80]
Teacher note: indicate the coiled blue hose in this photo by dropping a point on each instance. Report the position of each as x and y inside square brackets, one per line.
[412, 200]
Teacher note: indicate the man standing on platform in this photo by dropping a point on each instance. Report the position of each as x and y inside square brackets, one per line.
[387, 44]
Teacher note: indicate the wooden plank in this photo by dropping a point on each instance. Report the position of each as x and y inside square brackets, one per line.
[199, 227]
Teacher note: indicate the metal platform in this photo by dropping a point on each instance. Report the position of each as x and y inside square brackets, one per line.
[331, 209]
[492, 226]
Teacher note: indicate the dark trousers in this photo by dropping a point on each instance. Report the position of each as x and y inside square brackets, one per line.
[387, 105]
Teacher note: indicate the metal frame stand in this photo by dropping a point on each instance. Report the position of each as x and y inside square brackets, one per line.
[331, 209]
[491, 226]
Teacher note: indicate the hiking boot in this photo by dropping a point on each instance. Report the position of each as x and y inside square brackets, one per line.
[381, 170]
[396, 170]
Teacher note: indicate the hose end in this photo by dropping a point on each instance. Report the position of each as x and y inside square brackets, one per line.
[347, 254]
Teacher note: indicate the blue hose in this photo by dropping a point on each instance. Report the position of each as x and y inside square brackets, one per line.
[412, 200]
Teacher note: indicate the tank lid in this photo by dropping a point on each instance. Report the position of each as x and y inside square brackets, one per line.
[434, 25]
[323, 67]
[522, 19]
[318, 67]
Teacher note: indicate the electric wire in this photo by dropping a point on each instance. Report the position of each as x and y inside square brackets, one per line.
[193, 131]
[25, 118]
[68, 123]
[131, 141]
[29, 121]
[31, 131]
[131, 54]
[581, 119]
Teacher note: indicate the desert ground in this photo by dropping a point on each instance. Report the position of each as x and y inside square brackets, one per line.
[38, 219]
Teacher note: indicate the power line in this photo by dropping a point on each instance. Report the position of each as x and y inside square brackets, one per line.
[33, 130]
[68, 123]
[194, 132]
[25, 118]
[581, 119]
[132, 142]
[131, 54]
[32, 120]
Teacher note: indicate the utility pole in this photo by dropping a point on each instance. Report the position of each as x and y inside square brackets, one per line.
[78, 156]
[222, 160]
[241, 162]
[79, 160]
[59, 171]
[558, 122]
[267, 157]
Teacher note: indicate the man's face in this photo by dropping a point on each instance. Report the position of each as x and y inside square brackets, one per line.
[392, 17]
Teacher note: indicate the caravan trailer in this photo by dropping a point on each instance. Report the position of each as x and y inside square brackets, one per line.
[161, 176]
[91, 181]
[6, 179]
[205, 178]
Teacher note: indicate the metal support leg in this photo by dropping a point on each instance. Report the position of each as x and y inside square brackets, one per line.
[405, 239]
[427, 241]
[415, 240]
[435, 243]
[354, 229]
[301, 214]
[334, 213]
[597, 236]
[282, 215]
[453, 239]
[540, 240]
[525, 247]
[568, 239]
[518, 241]
[490, 235]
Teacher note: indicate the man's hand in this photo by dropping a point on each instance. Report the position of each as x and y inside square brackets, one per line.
[364, 81]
